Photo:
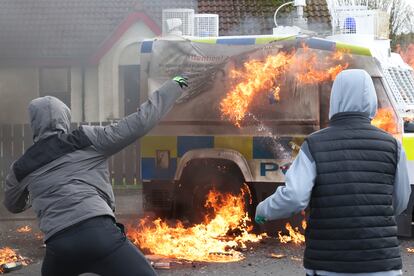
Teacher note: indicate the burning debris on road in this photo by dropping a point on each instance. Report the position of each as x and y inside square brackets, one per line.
[295, 236]
[24, 229]
[10, 260]
[217, 239]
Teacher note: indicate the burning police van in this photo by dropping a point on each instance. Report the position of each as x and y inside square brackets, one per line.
[250, 104]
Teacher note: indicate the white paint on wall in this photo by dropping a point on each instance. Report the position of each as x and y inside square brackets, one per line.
[91, 94]
[76, 93]
[121, 54]
[103, 97]
[131, 54]
[18, 86]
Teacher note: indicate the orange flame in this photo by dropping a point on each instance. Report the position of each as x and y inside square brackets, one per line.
[262, 76]
[255, 77]
[24, 229]
[39, 236]
[8, 255]
[410, 250]
[385, 120]
[208, 241]
[294, 234]
[407, 54]
[304, 224]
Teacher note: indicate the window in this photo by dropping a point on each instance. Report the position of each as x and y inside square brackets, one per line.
[55, 82]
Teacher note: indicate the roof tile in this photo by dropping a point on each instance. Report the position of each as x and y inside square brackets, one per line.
[67, 28]
[76, 28]
[242, 17]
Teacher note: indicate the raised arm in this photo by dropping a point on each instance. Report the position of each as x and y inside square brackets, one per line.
[112, 138]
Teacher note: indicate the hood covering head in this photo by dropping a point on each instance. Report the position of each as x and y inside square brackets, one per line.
[353, 91]
[48, 116]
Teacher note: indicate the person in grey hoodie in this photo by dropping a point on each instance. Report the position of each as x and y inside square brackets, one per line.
[64, 176]
[353, 176]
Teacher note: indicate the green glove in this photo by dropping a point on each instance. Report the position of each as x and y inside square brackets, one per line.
[260, 220]
[182, 81]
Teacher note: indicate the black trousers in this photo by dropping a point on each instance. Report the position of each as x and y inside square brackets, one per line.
[97, 245]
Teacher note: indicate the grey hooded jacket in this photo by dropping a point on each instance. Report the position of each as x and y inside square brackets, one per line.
[300, 178]
[76, 186]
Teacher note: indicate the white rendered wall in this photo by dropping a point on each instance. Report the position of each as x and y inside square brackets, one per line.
[108, 70]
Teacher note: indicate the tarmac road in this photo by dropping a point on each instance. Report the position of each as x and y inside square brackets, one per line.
[257, 261]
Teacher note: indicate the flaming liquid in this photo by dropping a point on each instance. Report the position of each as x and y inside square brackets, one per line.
[294, 236]
[261, 76]
[39, 236]
[8, 255]
[385, 120]
[24, 229]
[407, 54]
[215, 240]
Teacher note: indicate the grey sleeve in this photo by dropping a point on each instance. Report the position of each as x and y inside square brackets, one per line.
[111, 139]
[402, 188]
[16, 196]
[295, 195]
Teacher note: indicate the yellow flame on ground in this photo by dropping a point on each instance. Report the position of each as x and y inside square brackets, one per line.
[8, 255]
[24, 229]
[208, 241]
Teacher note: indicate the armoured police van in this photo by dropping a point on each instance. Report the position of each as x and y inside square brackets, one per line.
[195, 148]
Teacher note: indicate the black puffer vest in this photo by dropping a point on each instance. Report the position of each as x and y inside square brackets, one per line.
[352, 226]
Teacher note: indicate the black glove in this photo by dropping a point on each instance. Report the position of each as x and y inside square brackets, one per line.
[182, 81]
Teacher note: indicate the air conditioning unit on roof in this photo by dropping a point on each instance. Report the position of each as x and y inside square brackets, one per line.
[206, 25]
[178, 21]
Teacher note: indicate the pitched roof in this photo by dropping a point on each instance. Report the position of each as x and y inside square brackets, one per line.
[243, 17]
[76, 29]
[67, 28]
[317, 12]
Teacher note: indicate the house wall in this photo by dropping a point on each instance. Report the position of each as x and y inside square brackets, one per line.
[76, 93]
[103, 89]
[18, 86]
[91, 100]
[122, 53]
[91, 94]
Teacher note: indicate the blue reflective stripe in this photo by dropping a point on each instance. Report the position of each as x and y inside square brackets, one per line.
[321, 44]
[237, 41]
[150, 171]
[187, 143]
[316, 43]
[262, 148]
[270, 148]
[146, 46]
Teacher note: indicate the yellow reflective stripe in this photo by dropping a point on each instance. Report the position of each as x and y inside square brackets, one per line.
[269, 39]
[150, 145]
[242, 144]
[408, 144]
[354, 49]
[205, 40]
